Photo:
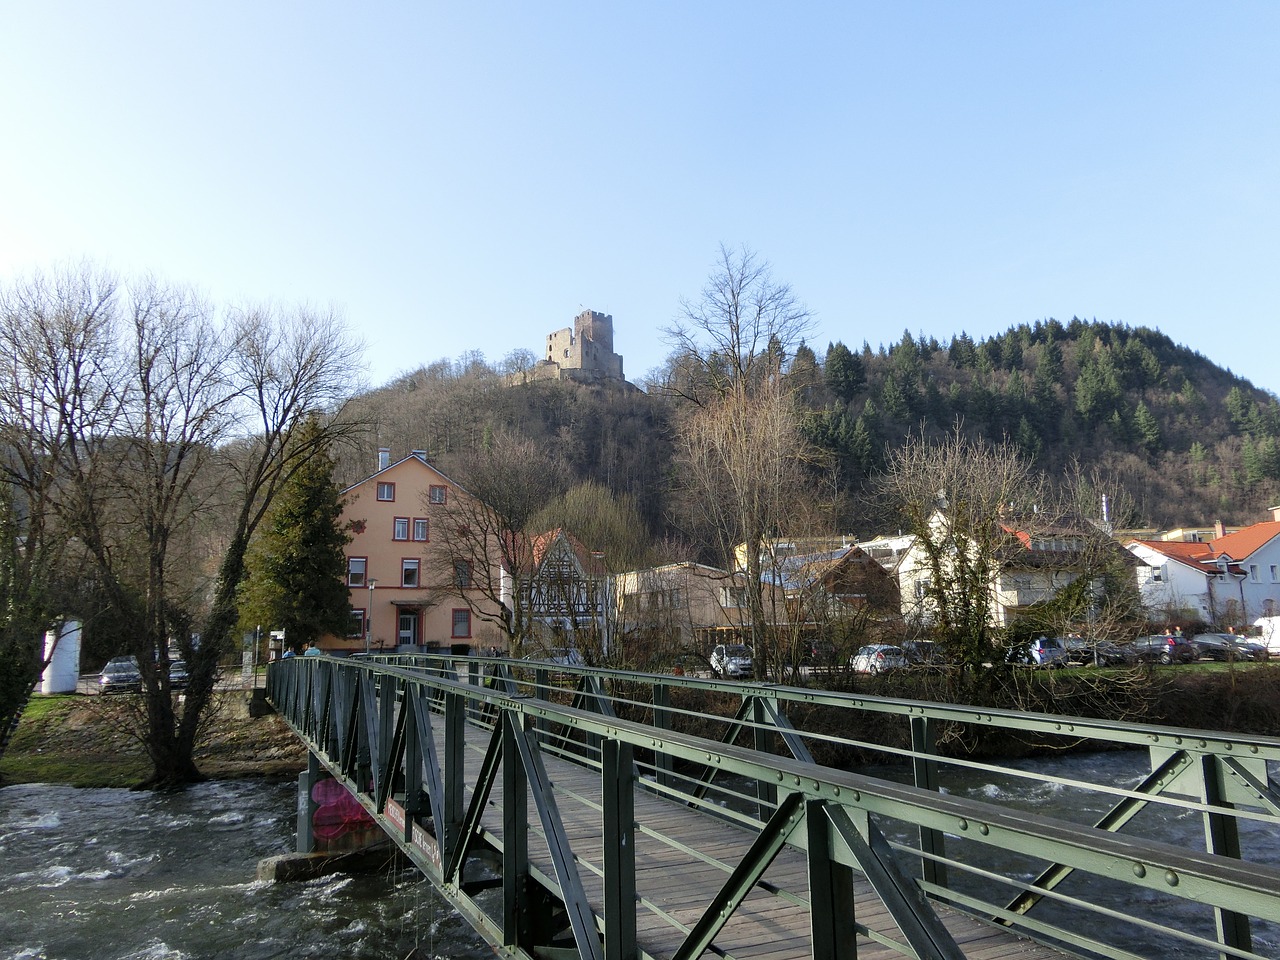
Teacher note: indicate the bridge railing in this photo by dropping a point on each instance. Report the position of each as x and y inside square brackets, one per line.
[1179, 855]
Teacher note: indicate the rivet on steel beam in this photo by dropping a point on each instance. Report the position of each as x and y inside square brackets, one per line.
[983, 829]
[1171, 878]
[964, 824]
[1139, 871]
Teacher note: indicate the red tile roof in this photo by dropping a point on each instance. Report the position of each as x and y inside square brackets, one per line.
[1244, 542]
[1193, 554]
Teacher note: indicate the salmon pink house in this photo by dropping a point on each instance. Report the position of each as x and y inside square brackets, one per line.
[406, 594]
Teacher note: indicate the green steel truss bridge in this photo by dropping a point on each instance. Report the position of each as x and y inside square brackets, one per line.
[573, 812]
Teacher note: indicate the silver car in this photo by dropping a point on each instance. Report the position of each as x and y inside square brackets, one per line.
[877, 658]
[732, 660]
[120, 675]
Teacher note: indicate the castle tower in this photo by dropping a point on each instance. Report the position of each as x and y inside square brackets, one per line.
[586, 347]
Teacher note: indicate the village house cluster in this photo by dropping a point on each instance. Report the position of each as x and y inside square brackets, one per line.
[412, 588]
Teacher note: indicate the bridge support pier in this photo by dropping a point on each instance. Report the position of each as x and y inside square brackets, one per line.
[307, 804]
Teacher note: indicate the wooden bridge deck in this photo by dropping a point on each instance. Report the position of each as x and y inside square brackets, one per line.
[673, 884]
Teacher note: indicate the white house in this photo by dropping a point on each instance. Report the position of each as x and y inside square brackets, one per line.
[1027, 569]
[1228, 581]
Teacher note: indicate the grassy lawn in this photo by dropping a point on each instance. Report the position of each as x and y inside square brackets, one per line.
[63, 739]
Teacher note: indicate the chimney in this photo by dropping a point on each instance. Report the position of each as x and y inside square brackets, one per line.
[421, 455]
[1219, 531]
[1275, 513]
[384, 457]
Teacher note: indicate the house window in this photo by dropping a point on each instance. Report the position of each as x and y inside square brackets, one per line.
[356, 568]
[1274, 571]
[409, 572]
[461, 624]
[1253, 573]
[420, 529]
[400, 530]
[922, 589]
[387, 492]
[356, 627]
[462, 574]
[438, 495]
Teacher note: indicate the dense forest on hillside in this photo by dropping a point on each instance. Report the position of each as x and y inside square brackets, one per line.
[1188, 441]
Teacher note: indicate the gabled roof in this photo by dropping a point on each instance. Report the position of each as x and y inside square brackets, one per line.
[391, 466]
[1210, 557]
[793, 573]
[1198, 556]
[531, 554]
[1244, 543]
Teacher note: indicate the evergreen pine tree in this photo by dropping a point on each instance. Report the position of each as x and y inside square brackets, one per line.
[862, 445]
[1238, 407]
[1148, 428]
[895, 400]
[1028, 440]
[844, 372]
[298, 568]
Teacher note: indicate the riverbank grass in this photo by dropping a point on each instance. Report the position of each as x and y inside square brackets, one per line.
[94, 741]
[57, 742]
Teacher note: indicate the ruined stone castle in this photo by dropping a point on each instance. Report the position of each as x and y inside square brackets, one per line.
[583, 352]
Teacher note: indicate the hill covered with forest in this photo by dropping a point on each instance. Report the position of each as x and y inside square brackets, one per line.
[1189, 441]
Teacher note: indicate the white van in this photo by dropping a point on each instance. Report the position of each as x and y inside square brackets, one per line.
[1269, 628]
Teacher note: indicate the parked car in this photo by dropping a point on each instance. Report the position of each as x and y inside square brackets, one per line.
[877, 658]
[1227, 646]
[820, 653]
[178, 675]
[732, 660]
[1164, 648]
[1100, 653]
[564, 657]
[921, 651]
[120, 675]
[1040, 652]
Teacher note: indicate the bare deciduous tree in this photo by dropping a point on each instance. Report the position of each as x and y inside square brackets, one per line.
[39, 585]
[952, 495]
[169, 433]
[487, 529]
[738, 332]
[743, 459]
[748, 474]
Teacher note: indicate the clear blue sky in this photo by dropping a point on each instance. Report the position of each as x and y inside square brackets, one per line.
[469, 176]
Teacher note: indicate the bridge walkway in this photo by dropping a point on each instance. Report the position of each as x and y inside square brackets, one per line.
[683, 855]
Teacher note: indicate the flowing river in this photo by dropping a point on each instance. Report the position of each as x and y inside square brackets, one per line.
[116, 874]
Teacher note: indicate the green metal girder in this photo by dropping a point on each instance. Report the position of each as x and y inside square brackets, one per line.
[904, 900]
[1113, 820]
[764, 850]
[581, 919]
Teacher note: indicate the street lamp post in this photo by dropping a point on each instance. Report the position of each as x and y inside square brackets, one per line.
[368, 618]
[598, 556]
